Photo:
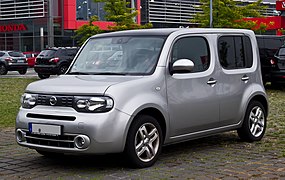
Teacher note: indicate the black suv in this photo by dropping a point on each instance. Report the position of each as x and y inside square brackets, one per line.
[13, 61]
[268, 45]
[54, 61]
[278, 67]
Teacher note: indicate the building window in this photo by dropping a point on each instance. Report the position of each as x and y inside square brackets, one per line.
[87, 8]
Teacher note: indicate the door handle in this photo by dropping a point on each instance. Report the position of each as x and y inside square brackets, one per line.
[212, 82]
[245, 78]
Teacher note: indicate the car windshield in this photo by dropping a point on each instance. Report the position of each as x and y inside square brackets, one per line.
[15, 54]
[47, 53]
[127, 55]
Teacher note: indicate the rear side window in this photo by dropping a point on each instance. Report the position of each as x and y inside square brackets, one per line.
[1, 54]
[235, 52]
[195, 49]
[61, 52]
[16, 54]
[71, 52]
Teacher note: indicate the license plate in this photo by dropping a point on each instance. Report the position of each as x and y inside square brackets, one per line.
[20, 61]
[45, 129]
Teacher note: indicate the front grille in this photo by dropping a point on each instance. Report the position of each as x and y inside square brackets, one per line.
[51, 117]
[64, 141]
[66, 101]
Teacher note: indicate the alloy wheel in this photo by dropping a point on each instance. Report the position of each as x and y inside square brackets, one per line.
[256, 121]
[147, 142]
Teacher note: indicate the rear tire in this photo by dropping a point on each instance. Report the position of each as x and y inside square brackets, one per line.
[43, 76]
[3, 69]
[254, 123]
[22, 71]
[144, 142]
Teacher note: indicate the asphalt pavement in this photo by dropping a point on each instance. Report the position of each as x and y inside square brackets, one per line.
[14, 74]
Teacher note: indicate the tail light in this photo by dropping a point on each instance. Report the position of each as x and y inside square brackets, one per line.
[54, 60]
[8, 59]
[272, 62]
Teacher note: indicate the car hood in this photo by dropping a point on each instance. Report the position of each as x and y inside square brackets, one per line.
[78, 84]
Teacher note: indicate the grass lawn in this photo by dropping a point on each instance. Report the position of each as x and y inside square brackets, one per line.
[11, 90]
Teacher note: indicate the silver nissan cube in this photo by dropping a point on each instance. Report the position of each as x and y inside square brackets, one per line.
[135, 91]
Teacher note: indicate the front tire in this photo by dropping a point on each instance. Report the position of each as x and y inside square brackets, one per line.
[254, 123]
[144, 141]
[62, 69]
[3, 69]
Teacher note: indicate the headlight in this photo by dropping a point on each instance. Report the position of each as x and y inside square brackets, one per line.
[28, 100]
[93, 104]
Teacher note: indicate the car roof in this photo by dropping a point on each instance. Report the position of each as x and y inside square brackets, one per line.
[11, 51]
[57, 48]
[168, 31]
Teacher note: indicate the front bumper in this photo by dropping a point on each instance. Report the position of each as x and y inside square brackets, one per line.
[17, 66]
[106, 131]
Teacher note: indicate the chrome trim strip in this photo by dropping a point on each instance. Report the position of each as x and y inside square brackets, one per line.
[205, 131]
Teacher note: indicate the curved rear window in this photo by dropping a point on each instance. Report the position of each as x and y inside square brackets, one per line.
[47, 53]
[16, 54]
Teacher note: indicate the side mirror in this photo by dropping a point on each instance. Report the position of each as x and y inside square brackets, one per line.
[182, 66]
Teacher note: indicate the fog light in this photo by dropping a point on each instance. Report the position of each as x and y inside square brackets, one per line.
[20, 135]
[81, 141]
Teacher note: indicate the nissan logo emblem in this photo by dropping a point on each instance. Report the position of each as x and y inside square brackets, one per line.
[52, 100]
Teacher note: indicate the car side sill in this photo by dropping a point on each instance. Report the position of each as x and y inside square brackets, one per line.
[219, 129]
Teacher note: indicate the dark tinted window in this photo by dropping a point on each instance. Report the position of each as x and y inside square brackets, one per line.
[272, 43]
[192, 48]
[71, 52]
[281, 52]
[268, 45]
[235, 52]
[28, 55]
[16, 54]
[1, 54]
[61, 52]
[47, 53]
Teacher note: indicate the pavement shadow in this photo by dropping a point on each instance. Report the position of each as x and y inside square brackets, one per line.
[118, 161]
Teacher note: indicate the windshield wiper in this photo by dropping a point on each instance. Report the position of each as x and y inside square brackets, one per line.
[110, 73]
[78, 73]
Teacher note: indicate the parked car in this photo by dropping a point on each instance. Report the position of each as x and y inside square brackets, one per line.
[54, 61]
[278, 67]
[161, 86]
[31, 57]
[268, 45]
[12, 61]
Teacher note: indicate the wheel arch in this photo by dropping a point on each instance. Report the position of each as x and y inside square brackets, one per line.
[154, 112]
[262, 100]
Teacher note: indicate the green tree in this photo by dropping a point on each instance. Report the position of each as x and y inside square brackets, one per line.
[118, 12]
[87, 30]
[230, 14]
